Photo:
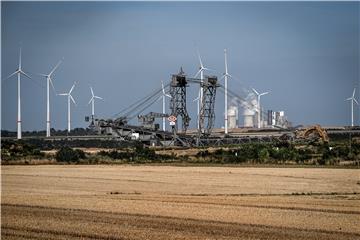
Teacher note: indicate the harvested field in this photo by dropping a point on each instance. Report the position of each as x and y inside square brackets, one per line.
[165, 202]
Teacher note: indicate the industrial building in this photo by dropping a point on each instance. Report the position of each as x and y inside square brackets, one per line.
[277, 119]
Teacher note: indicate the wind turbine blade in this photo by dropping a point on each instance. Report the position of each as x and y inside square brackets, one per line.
[236, 78]
[162, 87]
[356, 101]
[25, 74]
[52, 85]
[264, 93]
[41, 74]
[256, 92]
[92, 92]
[348, 99]
[57, 65]
[353, 95]
[71, 89]
[158, 98]
[62, 94]
[11, 75]
[72, 99]
[197, 73]
[196, 99]
[20, 58]
[167, 95]
[209, 69]
[226, 68]
[90, 100]
[201, 64]
[98, 97]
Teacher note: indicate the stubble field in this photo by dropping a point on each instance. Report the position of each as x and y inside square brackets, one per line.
[168, 202]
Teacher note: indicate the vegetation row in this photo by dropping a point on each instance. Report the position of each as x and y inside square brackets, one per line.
[249, 153]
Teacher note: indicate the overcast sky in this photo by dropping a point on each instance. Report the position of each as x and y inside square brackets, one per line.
[305, 53]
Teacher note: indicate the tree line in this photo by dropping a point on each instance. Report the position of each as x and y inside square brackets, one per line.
[281, 152]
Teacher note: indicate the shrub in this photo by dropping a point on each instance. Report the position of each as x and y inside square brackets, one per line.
[67, 154]
[263, 155]
[203, 154]
[138, 154]
[303, 155]
[11, 150]
[144, 153]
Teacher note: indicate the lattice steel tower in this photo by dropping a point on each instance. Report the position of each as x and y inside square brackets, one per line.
[178, 99]
[207, 113]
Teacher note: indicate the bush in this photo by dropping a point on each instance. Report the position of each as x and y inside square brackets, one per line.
[144, 153]
[263, 155]
[114, 154]
[303, 155]
[67, 154]
[203, 154]
[138, 154]
[11, 150]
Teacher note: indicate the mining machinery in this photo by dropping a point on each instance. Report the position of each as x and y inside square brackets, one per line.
[148, 120]
[120, 127]
[207, 110]
[312, 133]
[178, 109]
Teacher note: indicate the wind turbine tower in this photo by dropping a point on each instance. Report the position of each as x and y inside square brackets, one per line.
[48, 82]
[19, 72]
[92, 101]
[69, 97]
[163, 104]
[226, 76]
[201, 72]
[259, 106]
[352, 99]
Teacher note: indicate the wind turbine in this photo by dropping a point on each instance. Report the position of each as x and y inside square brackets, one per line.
[92, 101]
[198, 108]
[226, 76]
[48, 82]
[259, 107]
[163, 95]
[201, 72]
[352, 99]
[19, 71]
[68, 103]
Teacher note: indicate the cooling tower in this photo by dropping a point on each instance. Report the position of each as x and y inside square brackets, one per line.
[233, 117]
[249, 116]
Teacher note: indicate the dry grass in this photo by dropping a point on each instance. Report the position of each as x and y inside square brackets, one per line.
[87, 150]
[29, 161]
[163, 202]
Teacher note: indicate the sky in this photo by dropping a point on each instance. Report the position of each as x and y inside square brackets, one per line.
[306, 54]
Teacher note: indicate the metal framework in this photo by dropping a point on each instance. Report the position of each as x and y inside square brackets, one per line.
[207, 112]
[178, 100]
[148, 120]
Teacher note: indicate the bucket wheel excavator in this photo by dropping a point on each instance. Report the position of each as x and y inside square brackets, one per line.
[315, 132]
